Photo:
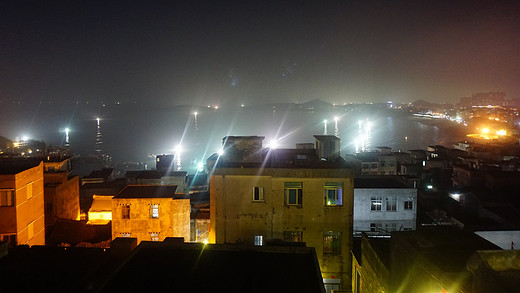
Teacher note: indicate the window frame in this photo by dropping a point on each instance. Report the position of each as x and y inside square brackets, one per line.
[293, 236]
[389, 207]
[337, 189]
[7, 197]
[261, 194]
[298, 196]
[259, 240]
[154, 236]
[334, 237]
[405, 205]
[125, 211]
[375, 202]
[154, 211]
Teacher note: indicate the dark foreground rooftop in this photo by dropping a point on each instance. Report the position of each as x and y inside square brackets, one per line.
[168, 266]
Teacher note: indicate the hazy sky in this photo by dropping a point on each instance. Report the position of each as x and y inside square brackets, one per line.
[252, 52]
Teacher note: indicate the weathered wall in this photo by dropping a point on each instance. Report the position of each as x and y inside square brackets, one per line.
[235, 217]
[173, 221]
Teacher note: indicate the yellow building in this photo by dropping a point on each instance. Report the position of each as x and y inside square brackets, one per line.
[292, 195]
[150, 213]
[100, 212]
[22, 219]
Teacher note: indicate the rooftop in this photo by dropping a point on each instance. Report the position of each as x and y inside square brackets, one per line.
[385, 181]
[149, 191]
[15, 166]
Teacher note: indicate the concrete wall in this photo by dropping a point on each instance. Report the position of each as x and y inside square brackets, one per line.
[364, 216]
[26, 218]
[61, 200]
[173, 221]
[235, 217]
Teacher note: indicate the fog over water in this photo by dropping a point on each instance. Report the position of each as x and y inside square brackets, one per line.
[136, 132]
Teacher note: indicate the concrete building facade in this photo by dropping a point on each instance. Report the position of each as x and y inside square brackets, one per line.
[22, 219]
[383, 204]
[289, 195]
[150, 213]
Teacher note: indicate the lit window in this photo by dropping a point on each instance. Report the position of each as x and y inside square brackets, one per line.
[154, 211]
[292, 236]
[125, 211]
[408, 204]
[258, 193]
[391, 204]
[376, 203]
[259, 240]
[332, 242]
[126, 234]
[6, 198]
[333, 194]
[293, 193]
[154, 236]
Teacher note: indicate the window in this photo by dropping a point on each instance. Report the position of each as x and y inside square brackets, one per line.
[125, 212]
[382, 163]
[391, 204]
[365, 166]
[373, 165]
[375, 227]
[29, 190]
[390, 227]
[126, 234]
[154, 236]
[259, 240]
[375, 203]
[6, 198]
[30, 230]
[333, 194]
[293, 193]
[258, 194]
[10, 239]
[391, 163]
[332, 242]
[154, 211]
[293, 236]
[408, 204]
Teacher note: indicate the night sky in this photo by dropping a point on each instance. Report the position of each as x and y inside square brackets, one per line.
[255, 52]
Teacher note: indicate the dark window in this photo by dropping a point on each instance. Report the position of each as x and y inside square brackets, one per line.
[125, 214]
[6, 198]
[408, 205]
[332, 242]
[10, 239]
[391, 204]
[293, 193]
[258, 193]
